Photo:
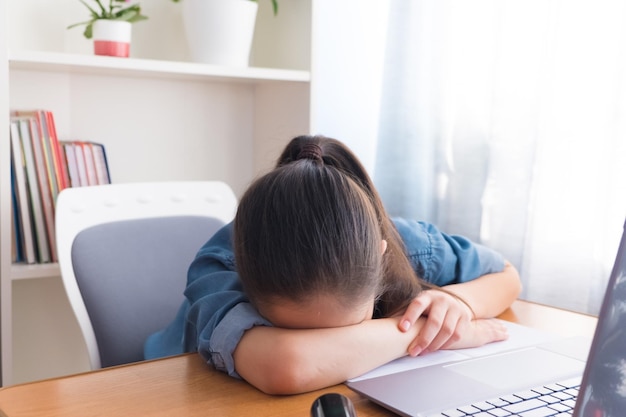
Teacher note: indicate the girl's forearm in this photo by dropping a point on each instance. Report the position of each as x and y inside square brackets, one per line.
[289, 361]
[491, 294]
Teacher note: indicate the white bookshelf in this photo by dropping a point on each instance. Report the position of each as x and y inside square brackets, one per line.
[19, 271]
[159, 116]
[136, 67]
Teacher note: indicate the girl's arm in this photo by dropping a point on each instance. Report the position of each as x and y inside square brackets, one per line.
[290, 361]
[491, 294]
[484, 297]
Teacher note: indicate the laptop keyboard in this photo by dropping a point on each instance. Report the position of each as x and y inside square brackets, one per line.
[556, 400]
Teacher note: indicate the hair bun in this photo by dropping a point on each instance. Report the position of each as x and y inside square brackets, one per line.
[311, 151]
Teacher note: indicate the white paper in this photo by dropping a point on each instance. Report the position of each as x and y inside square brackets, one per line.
[519, 336]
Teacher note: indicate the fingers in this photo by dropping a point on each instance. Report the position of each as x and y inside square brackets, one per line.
[449, 330]
[442, 326]
[478, 333]
[445, 314]
[414, 311]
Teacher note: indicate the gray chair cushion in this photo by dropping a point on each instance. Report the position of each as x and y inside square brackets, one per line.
[132, 275]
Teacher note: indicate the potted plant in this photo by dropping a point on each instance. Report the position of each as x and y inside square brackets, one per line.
[220, 31]
[110, 25]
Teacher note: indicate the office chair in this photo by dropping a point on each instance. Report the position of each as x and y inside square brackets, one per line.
[124, 251]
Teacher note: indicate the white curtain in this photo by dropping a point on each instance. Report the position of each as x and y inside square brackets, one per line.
[506, 121]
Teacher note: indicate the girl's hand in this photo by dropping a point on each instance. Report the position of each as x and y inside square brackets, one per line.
[478, 333]
[447, 320]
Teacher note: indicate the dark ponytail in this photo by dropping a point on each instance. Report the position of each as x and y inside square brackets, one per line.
[400, 282]
[307, 228]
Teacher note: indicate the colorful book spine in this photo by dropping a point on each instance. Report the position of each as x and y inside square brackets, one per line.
[23, 215]
[72, 165]
[47, 201]
[17, 253]
[44, 144]
[101, 162]
[92, 178]
[62, 176]
[41, 231]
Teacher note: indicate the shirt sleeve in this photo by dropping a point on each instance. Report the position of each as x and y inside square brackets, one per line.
[219, 312]
[443, 259]
[219, 348]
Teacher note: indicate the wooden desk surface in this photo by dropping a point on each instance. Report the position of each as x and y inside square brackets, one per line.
[185, 386]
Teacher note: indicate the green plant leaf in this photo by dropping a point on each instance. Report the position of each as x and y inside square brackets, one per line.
[130, 14]
[103, 10]
[80, 23]
[88, 30]
[91, 10]
[125, 14]
[137, 18]
[116, 11]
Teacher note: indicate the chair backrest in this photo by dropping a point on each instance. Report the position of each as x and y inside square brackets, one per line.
[124, 251]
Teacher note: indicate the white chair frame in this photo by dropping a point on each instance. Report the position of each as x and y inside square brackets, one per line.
[80, 208]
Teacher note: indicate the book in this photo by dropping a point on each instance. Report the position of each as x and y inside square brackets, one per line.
[59, 163]
[41, 234]
[48, 149]
[16, 240]
[101, 163]
[23, 201]
[50, 166]
[92, 178]
[47, 202]
[86, 163]
[80, 163]
[72, 165]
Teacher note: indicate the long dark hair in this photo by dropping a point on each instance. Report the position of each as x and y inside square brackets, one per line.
[315, 223]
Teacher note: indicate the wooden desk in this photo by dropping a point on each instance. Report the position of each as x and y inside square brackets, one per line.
[185, 386]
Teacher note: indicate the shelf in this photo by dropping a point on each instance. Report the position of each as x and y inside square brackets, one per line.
[23, 271]
[102, 65]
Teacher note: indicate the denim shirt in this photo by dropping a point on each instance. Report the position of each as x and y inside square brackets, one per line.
[216, 311]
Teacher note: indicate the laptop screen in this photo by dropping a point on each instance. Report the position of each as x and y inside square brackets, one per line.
[603, 390]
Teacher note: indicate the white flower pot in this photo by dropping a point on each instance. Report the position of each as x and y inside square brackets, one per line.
[112, 37]
[220, 31]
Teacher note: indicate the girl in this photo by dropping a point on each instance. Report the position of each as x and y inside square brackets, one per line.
[286, 296]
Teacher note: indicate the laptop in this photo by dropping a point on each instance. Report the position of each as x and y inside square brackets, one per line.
[549, 379]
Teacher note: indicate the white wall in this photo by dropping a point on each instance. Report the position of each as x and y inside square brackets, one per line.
[46, 339]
